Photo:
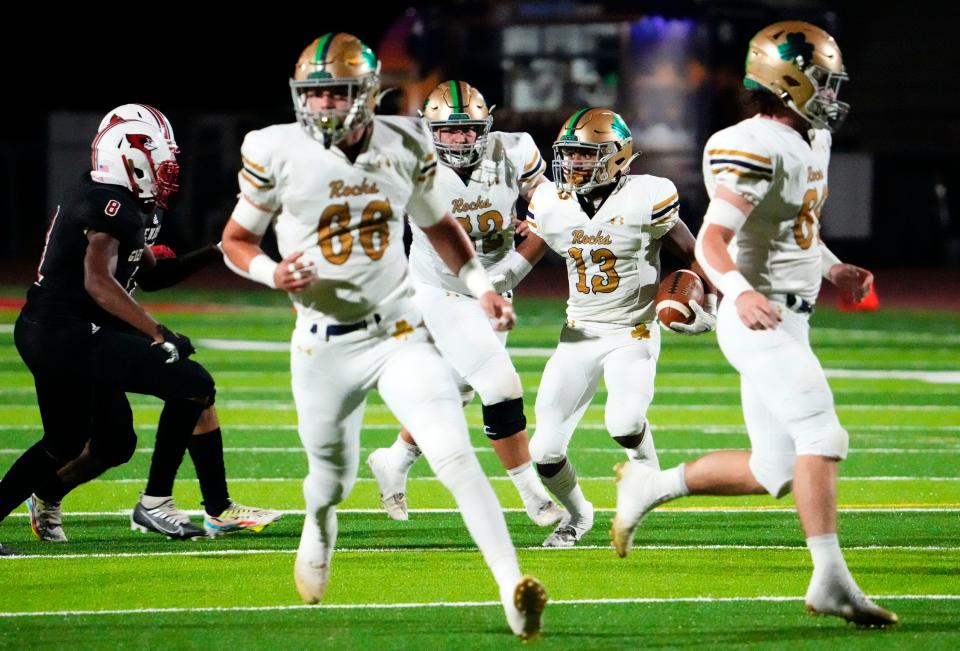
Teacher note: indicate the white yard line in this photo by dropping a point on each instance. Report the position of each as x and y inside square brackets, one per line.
[458, 604]
[682, 510]
[610, 450]
[268, 480]
[468, 549]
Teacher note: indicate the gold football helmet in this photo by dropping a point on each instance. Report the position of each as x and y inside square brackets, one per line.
[343, 65]
[593, 148]
[457, 104]
[801, 64]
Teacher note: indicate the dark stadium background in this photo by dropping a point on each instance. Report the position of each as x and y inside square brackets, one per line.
[672, 68]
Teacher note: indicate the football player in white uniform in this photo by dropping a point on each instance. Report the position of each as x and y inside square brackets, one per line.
[767, 180]
[338, 184]
[480, 176]
[609, 226]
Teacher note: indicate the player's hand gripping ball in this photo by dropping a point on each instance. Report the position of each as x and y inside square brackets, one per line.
[674, 295]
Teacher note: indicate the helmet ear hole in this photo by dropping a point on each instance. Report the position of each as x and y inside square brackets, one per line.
[790, 81]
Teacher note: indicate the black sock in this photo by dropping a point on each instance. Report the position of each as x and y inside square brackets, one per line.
[206, 450]
[33, 469]
[177, 421]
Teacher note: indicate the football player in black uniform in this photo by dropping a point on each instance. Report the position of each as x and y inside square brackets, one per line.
[87, 342]
[155, 510]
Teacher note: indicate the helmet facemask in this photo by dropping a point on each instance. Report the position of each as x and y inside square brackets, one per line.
[331, 125]
[824, 110]
[465, 154]
[584, 175]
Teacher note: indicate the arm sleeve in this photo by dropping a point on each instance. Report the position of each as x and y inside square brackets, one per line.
[739, 163]
[259, 198]
[425, 206]
[665, 212]
[171, 270]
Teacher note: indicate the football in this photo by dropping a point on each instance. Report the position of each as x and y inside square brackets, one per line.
[675, 293]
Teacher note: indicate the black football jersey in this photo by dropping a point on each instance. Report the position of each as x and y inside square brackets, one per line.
[59, 289]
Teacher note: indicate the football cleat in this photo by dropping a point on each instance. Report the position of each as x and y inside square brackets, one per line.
[8, 551]
[545, 513]
[570, 531]
[847, 602]
[524, 606]
[635, 498]
[238, 517]
[165, 519]
[46, 519]
[391, 483]
[311, 578]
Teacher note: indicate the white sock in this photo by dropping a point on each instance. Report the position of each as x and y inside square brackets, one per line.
[481, 512]
[827, 558]
[402, 455]
[151, 502]
[566, 489]
[525, 478]
[671, 484]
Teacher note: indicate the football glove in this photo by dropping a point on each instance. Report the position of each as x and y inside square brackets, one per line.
[705, 318]
[174, 346]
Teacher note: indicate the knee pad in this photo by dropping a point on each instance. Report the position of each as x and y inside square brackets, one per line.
[625, 420]
[832, 442]
[546, 449]
[198, 384]
[773, 472]
[504, 419]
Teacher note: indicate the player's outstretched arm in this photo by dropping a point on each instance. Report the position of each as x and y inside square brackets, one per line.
[170, 269]
[242, 253]
[454, 249]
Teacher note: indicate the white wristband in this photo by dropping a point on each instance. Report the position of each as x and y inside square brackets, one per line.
[475, 278]
[732, 284]
[261, 269]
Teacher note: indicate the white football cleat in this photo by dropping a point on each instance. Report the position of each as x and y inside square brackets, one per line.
[545, 513]
[392, 484]
[311, 578]
[237, 517]
[524, 606]
[841, 599]
[571, 530]
[636, 496]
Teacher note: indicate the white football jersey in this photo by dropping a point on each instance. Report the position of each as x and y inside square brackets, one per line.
[613, 259]
[346, 217]
[772, 166]
[485, 206]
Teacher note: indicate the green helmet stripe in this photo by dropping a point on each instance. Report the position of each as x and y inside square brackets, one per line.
[323, 46]
[456, 96]
[573, 121]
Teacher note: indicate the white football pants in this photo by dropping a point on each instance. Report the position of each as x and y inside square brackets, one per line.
[571, 377]
[466, 338]
[787, 403]
[331, 379]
